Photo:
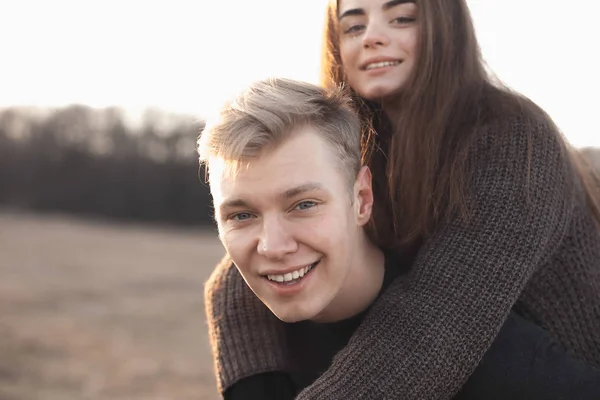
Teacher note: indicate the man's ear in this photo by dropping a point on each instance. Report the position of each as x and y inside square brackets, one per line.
[363, 196]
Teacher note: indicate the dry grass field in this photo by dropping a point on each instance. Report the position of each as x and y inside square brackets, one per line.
[93, 310]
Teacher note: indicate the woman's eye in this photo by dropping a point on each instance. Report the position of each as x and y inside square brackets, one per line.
[403, 20]
[354, 29]
[305, 205]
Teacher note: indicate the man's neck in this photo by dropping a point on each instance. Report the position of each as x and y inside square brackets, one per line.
[361, 287]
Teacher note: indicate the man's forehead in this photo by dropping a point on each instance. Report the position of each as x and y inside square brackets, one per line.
[232, 188]
[227, 176]
[302, 163]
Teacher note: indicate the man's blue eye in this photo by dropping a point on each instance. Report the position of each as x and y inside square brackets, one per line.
[305, 205]
[242, 216]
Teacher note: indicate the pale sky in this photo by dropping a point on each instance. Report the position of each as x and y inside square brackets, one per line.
[189, 56]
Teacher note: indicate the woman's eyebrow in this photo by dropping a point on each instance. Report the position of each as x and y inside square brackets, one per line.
[386, 6]
[351, 12]
[393, 3]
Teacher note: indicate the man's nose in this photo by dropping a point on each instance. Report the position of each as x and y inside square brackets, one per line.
[276, 239]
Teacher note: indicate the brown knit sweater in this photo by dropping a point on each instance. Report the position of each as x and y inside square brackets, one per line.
[530, 243]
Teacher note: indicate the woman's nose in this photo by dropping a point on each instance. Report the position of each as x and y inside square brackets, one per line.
[375, 36]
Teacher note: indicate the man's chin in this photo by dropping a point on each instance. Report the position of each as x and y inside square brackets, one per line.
[291, 316]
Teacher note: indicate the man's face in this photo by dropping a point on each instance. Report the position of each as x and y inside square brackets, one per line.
[291, 222]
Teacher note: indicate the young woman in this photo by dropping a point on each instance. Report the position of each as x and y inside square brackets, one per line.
[471, 180]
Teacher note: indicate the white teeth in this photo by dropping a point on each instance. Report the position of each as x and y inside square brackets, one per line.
[382, 64]
[290, 276]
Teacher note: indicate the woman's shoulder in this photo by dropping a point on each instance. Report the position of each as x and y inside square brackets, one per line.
[520, 140]
[514, 122]
[511, 112]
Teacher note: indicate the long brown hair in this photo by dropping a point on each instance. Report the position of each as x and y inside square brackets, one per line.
[422, 170]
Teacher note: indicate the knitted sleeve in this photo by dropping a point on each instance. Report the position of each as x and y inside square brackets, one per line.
[245, 336]
[430, 329]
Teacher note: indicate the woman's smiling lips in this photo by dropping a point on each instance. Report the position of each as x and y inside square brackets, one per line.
[379, 62]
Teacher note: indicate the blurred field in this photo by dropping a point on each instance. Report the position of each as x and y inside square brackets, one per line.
[92, 310]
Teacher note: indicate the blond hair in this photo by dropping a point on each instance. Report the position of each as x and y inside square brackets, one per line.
[268, 112]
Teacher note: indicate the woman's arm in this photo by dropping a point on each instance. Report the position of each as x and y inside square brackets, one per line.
[430, 329]
[245, 336]
[266, 386]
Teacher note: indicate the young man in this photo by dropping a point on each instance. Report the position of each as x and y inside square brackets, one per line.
[291, 203]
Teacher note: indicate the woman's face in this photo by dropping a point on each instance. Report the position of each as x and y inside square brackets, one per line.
[378, 40]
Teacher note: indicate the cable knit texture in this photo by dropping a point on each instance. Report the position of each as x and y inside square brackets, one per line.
[228, 299]
[530, 242]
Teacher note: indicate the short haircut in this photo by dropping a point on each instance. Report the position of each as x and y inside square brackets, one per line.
[268, 112]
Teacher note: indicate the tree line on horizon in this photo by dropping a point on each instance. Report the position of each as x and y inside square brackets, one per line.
[92, 162]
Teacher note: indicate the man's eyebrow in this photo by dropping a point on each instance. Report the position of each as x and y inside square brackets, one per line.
[287, 194]
[295, 191]
[386, 6]
[234, 203]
